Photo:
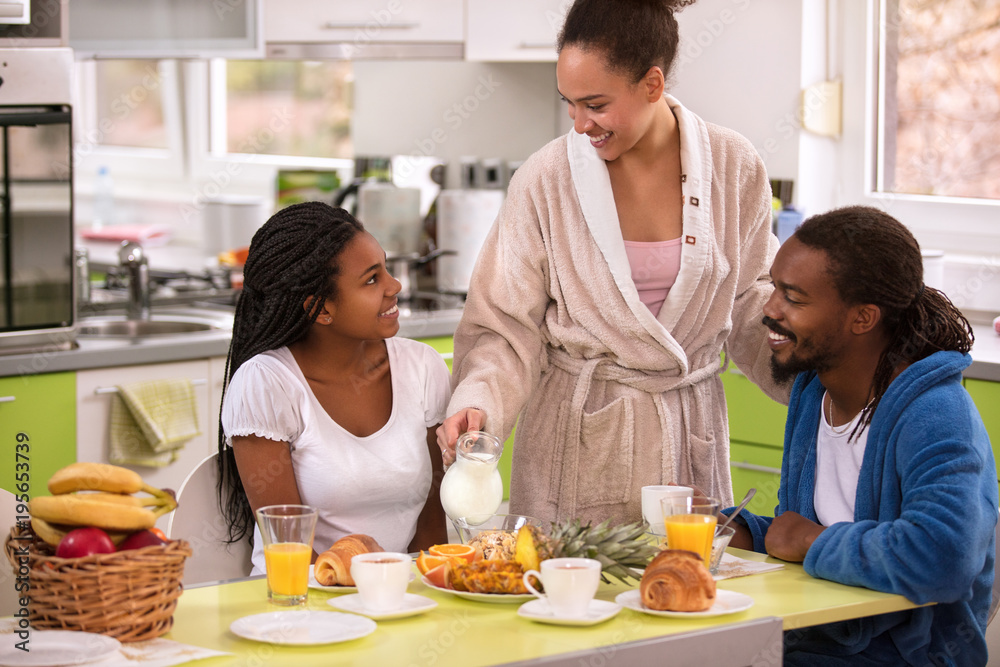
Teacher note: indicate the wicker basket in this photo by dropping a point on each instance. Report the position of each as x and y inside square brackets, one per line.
[129, 595]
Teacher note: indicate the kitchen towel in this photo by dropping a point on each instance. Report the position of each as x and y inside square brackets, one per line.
[151, 421]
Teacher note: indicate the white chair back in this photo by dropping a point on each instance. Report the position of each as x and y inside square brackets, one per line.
[199, 520]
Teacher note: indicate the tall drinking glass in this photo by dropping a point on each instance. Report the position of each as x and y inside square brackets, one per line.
[287, 532]
[690, 524]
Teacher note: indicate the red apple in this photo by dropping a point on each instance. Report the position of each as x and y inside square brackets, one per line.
[84, 542]
[140, 539]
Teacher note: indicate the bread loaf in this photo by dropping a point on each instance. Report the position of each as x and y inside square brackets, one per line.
[333, 566]
[677, 580]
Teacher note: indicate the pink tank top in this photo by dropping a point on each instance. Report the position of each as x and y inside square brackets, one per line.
[655, 265]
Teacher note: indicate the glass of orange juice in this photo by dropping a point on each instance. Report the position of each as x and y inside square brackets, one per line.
[287, 532]
[690, 524]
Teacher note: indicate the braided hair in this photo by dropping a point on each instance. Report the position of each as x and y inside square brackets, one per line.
[873, 258]
[633, 34]
[292, 259]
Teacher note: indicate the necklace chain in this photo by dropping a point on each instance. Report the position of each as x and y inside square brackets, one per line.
[843, 429]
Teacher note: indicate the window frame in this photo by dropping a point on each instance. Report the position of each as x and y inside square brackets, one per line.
[962, 227]
[142, 163]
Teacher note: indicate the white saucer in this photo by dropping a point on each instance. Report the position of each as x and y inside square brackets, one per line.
[58, 647]
[412, 605]
[598, 611]
[726, 602]
[302, 628]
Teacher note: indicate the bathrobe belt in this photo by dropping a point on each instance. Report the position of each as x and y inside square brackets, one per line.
[655, 384]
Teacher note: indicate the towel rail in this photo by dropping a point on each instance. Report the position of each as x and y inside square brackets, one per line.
[114, 390]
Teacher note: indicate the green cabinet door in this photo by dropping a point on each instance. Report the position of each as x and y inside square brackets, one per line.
[753, 416]
[986, 396]
[37, 429]
[756, 467]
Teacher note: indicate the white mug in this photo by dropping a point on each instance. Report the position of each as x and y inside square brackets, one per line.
[570, 584]
[652, 512]
[381, 578]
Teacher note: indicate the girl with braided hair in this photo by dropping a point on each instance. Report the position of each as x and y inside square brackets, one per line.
[322, 405]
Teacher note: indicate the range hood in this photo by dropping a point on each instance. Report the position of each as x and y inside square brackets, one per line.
[370, 51]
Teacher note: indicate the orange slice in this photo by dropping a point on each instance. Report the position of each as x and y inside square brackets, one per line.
[427, 562]
[460, 551]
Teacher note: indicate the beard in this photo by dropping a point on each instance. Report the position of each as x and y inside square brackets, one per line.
[809, 355]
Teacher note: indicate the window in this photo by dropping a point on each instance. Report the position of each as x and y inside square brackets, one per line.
[940, 99]
[282, 108]
[130, 103]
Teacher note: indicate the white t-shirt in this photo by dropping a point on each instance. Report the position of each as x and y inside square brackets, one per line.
[375, 485]
[838, 465]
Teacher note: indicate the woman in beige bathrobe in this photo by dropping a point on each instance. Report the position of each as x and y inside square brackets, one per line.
[612, 397]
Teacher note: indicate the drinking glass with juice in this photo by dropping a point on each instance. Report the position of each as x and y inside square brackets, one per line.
[288, 568]
[690, 524]
[287, 533]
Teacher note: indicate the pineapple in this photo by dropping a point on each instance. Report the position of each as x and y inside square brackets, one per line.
[618, 548]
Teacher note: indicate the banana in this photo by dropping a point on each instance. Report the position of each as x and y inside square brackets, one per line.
[75, 510]
[53, 533]
[113, 484]
[120, 498]
[96, 477]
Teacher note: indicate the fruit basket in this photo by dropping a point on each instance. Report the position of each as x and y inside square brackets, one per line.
[130, 595]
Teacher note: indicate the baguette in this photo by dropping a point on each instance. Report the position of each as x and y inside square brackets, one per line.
[333, 566]
[677, 581]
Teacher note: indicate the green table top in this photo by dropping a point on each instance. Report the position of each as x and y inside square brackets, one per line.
[467, 633]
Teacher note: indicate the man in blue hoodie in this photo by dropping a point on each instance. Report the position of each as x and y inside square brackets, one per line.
[888, 479]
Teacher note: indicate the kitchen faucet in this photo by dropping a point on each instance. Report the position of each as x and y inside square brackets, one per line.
[133, 259]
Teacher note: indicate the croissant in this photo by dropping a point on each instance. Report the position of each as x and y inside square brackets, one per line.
[333, 566]
[677, 580]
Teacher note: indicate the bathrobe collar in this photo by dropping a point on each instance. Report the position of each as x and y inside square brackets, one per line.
[593, 189]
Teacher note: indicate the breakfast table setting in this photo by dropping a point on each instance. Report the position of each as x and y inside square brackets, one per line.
[512, 589]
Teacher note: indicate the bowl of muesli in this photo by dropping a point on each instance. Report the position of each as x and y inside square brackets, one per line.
[495, 538]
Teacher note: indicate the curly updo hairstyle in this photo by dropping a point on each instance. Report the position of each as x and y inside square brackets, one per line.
[873, 258]
[292, 258]
[634, 35]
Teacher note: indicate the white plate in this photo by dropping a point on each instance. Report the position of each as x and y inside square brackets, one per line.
[501, 598]
[302, 628]
[337, 589]
[597, 612]
[57, 647]
[412, 605]
[726, 602]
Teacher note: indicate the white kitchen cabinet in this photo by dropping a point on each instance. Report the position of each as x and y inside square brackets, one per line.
[93, 409]
[513, 31]
[166, 29]
[364, 21]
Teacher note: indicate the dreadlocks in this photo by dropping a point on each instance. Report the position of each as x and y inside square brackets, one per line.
[292, 259]
[874, 259]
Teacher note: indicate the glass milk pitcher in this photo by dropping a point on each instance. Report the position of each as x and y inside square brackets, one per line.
[472, 489]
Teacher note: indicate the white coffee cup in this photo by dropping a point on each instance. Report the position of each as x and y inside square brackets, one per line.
[570, 584]
[381, 578]
[652, 512]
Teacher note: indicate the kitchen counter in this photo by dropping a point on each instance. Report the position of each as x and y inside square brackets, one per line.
[104, 352]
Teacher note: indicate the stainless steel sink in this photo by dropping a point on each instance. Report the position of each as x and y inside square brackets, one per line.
[161, 324]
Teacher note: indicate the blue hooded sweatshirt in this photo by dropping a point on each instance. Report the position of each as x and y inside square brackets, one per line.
[924, 520]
